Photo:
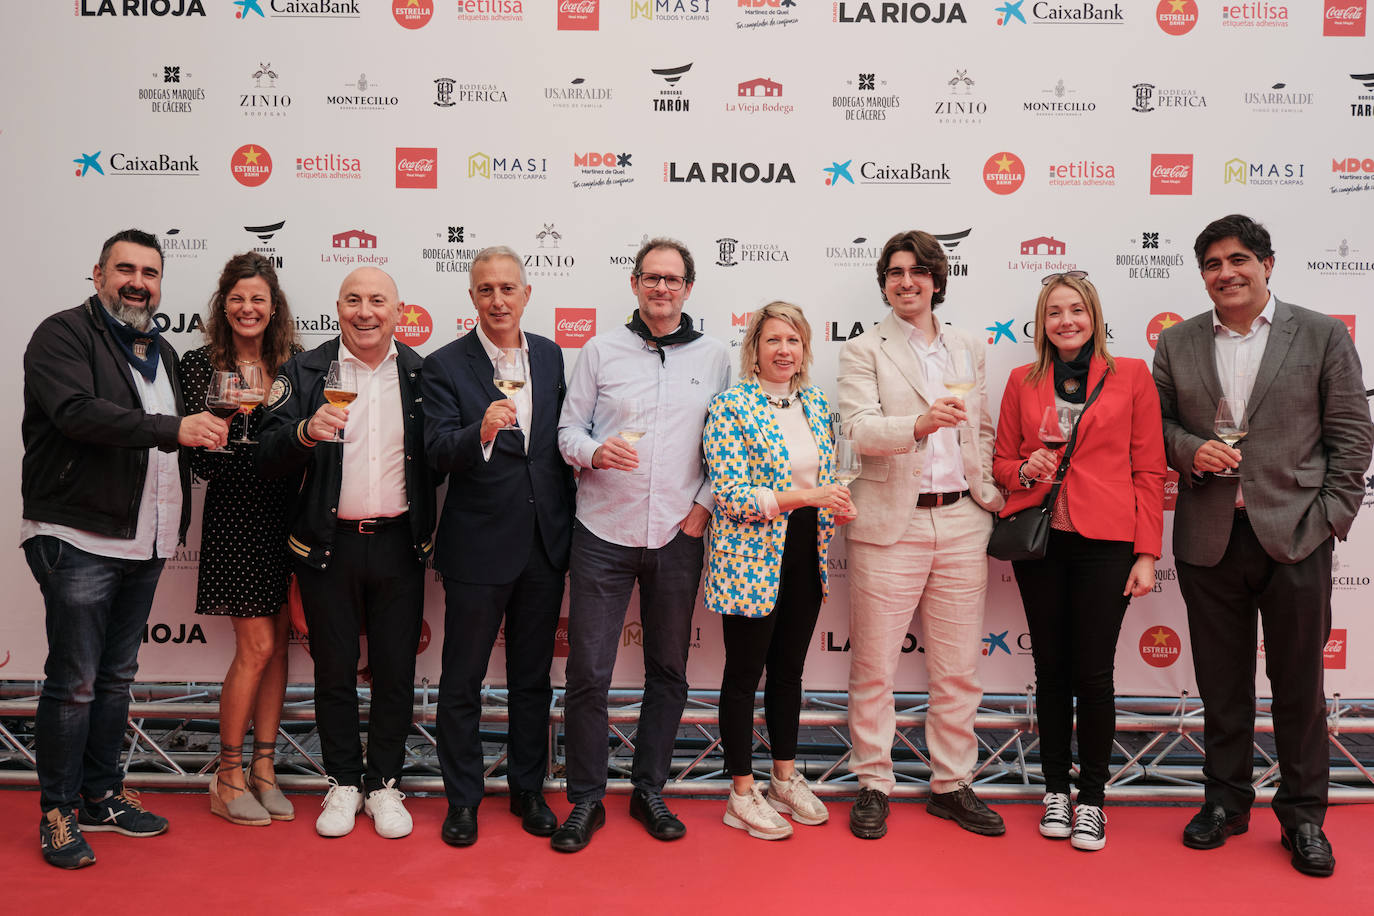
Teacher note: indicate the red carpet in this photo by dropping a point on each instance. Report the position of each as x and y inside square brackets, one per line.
[206, 865]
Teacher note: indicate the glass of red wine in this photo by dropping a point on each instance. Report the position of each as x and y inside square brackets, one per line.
[222, 399]
[1055, 426]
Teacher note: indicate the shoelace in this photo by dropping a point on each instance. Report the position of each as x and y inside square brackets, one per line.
[580, 815]
[130, 797]
[1089, 818]
[336, 791]
[62, 831]
[657, 806]
[1057, 808]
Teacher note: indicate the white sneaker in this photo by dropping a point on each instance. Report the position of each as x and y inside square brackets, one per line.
[1058, 814]
[389, 816]
[341, 804]
[1089, 828]
[793, 796]
[751, 813]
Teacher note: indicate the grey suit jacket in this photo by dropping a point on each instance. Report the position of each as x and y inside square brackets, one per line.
[1307, 449]
[882, 391]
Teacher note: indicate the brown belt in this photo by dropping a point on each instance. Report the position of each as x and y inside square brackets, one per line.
[934, 500]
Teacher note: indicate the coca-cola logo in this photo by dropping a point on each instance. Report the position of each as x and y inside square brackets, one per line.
[560, 639]
[1171, 173]
[1345, 21]
[1333, 654]
[417, 167]
[1170, 490]
[572, 328]
[579, 15]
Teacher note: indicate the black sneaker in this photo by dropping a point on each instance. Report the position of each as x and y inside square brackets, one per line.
[61, 840]
[1089, 828]
[121, 813]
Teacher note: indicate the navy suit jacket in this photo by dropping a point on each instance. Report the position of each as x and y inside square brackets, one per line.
[493, 506]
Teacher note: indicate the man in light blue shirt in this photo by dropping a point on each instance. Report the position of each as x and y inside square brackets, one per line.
[632, 423]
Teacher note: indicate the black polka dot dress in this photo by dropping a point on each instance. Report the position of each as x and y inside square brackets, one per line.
[243, 562]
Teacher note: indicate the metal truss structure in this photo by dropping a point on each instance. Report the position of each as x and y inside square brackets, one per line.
[172, 743]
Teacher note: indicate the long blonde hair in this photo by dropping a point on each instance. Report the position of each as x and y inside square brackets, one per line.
[1044, 350]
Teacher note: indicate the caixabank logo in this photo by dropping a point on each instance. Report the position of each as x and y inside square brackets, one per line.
[846, 13]
[1042, 13]
[148, 164]
[155, 8]
[872, 172]
[297, 9]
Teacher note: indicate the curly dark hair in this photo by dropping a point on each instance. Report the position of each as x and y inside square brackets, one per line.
[928, 252]
[279, 341]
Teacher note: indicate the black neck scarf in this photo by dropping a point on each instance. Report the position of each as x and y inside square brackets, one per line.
[1071, 376]
[140, 347]
[686, 333]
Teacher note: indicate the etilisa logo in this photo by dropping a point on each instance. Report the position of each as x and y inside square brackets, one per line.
[1254, 16]
[329, 167]
[1160, 646]
[1004, 172]
[491, 11]
[1059, 101]
[866, 98]
[1176, 17]
[753, 97]
[671, 10]
[1147, 260]
[670, 97]
[1082, 173]
[1042, 13]
[1263, 174]
[171, 92]
[1171, 173]
[579, 15]
[1363, 106]
[577, 94]
[507, 168]
[417, 167]
[1344, 18]
[762, 14]
[1342, 260]
[729, 172]
[960, 104]
[845, 13]
[572, 328]
[602, 170]
[415, 325]
[261, 101]
[412, 14]
[1158, 325]
[157, 8]
[250, 165]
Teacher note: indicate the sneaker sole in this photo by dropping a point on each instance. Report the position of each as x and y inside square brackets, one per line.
[391, 836]
[1056, 833]
[110, 828]
[1088, 844]
[732, 821]
[783, 807]
[70, 864]
[997, 830]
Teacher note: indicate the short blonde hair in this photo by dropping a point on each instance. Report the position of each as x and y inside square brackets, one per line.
[1044, 350]
[749, 350]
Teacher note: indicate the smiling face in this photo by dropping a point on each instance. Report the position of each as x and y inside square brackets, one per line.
[659, 306]
[1068, 321]
[781, 351]
[500, 299]
[248, 307]
[369, 308]
[908, 288]
[129, 283]
[1237, 281]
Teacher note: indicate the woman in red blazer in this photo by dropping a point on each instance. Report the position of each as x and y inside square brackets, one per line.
[1105, 535]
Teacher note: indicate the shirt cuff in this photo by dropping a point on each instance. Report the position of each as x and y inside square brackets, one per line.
[766, 502]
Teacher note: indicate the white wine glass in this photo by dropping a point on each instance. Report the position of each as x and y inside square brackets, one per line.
[340, 389]
[1056, 425]
[511, 374]
[1230, 427]
[961, 376]
[846, 463]
[250, 394]
[222, 400]
[634, 421]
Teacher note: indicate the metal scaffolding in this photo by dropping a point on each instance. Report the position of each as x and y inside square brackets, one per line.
[172, 743]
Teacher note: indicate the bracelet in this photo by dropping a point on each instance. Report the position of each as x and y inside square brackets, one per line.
[1026, 482]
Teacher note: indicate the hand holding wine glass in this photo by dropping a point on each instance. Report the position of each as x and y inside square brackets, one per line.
[846, 463]
[961, 376]
[1231, 426]
[250, 394]
[340, 390]
[511, 374]
[1056, 425]
[221, 399]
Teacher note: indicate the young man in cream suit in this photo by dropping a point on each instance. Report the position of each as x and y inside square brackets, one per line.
[925, 502]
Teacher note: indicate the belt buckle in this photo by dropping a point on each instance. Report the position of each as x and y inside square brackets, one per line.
[367, 526]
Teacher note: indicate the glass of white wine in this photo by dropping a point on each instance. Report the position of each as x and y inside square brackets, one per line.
[961, 375]
[1231, 427]
[250, 394]
[222, 399]
[634, 423]
[340, 389]
[511, 374]
[846, 463]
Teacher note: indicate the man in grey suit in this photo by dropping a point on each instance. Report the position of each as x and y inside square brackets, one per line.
[1261, 541]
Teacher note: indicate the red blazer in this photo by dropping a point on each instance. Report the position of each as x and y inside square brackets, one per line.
[1115, 482]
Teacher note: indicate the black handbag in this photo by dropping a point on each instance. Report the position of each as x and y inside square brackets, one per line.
[1026, 534]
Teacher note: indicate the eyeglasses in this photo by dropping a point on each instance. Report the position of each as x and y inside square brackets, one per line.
[1070, 274]
[895, 274]
[650, 281]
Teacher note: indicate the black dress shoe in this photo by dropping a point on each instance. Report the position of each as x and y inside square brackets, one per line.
[868, 817]
[460, 827]
[967, 810]
[650, 810]
[535, 814]
[586, 818]
[1210, 827]
[1311, 850]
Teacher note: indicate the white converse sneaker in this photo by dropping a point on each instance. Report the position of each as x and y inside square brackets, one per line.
[793, 796]
[750, 812]
[389, 816]
[1089, 828]
[1058, 813]
[341, 804]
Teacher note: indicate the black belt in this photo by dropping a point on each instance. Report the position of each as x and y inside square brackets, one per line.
[934, 500]
[370, 525]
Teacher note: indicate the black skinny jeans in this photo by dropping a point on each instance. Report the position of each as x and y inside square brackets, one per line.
[1074, 608]
[778, 642]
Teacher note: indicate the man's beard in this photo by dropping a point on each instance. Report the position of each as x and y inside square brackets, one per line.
[136, 317]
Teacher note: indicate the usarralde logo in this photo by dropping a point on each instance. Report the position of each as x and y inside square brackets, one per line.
[1160, 646]
[1004, 172]
[412, 14]
[1176, 17]
[415, 325]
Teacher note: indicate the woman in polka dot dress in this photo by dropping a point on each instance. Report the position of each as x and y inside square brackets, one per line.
[243, 565]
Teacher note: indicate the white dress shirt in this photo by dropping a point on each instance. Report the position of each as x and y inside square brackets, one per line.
[524, 401]
[943, 471]
[374, 455]
[1238, 358]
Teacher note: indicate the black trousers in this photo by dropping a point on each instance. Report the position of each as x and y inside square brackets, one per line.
[777, 642]
[472, 620]
[373, 586]
[1294, 601]
[1074, 608]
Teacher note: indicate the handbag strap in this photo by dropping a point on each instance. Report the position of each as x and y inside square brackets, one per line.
[1068, 449]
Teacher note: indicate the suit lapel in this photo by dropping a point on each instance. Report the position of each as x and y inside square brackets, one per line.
[1281, 335]
[542, 394]
[479, 364]
[1202, 340]
[896, 344]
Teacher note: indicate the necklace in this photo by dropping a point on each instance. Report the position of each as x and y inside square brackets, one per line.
[780, 403]
[248, 362]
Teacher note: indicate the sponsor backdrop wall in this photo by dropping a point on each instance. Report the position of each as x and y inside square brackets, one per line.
[783, 140]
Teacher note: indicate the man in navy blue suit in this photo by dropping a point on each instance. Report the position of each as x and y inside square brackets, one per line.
[503, 539]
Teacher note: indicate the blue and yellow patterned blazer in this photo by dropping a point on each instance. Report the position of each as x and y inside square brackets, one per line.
[745, 449]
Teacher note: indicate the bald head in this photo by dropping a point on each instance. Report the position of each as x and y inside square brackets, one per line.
[369, 307]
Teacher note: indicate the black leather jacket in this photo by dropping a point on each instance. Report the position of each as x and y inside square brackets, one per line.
[284, 448]
[86, 434]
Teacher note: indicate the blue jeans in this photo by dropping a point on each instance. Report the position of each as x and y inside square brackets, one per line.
[602, 576]
[97, 608]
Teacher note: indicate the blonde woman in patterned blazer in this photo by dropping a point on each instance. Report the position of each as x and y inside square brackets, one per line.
[777, 504]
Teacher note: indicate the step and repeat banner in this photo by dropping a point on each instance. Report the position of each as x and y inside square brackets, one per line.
[783, 140]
